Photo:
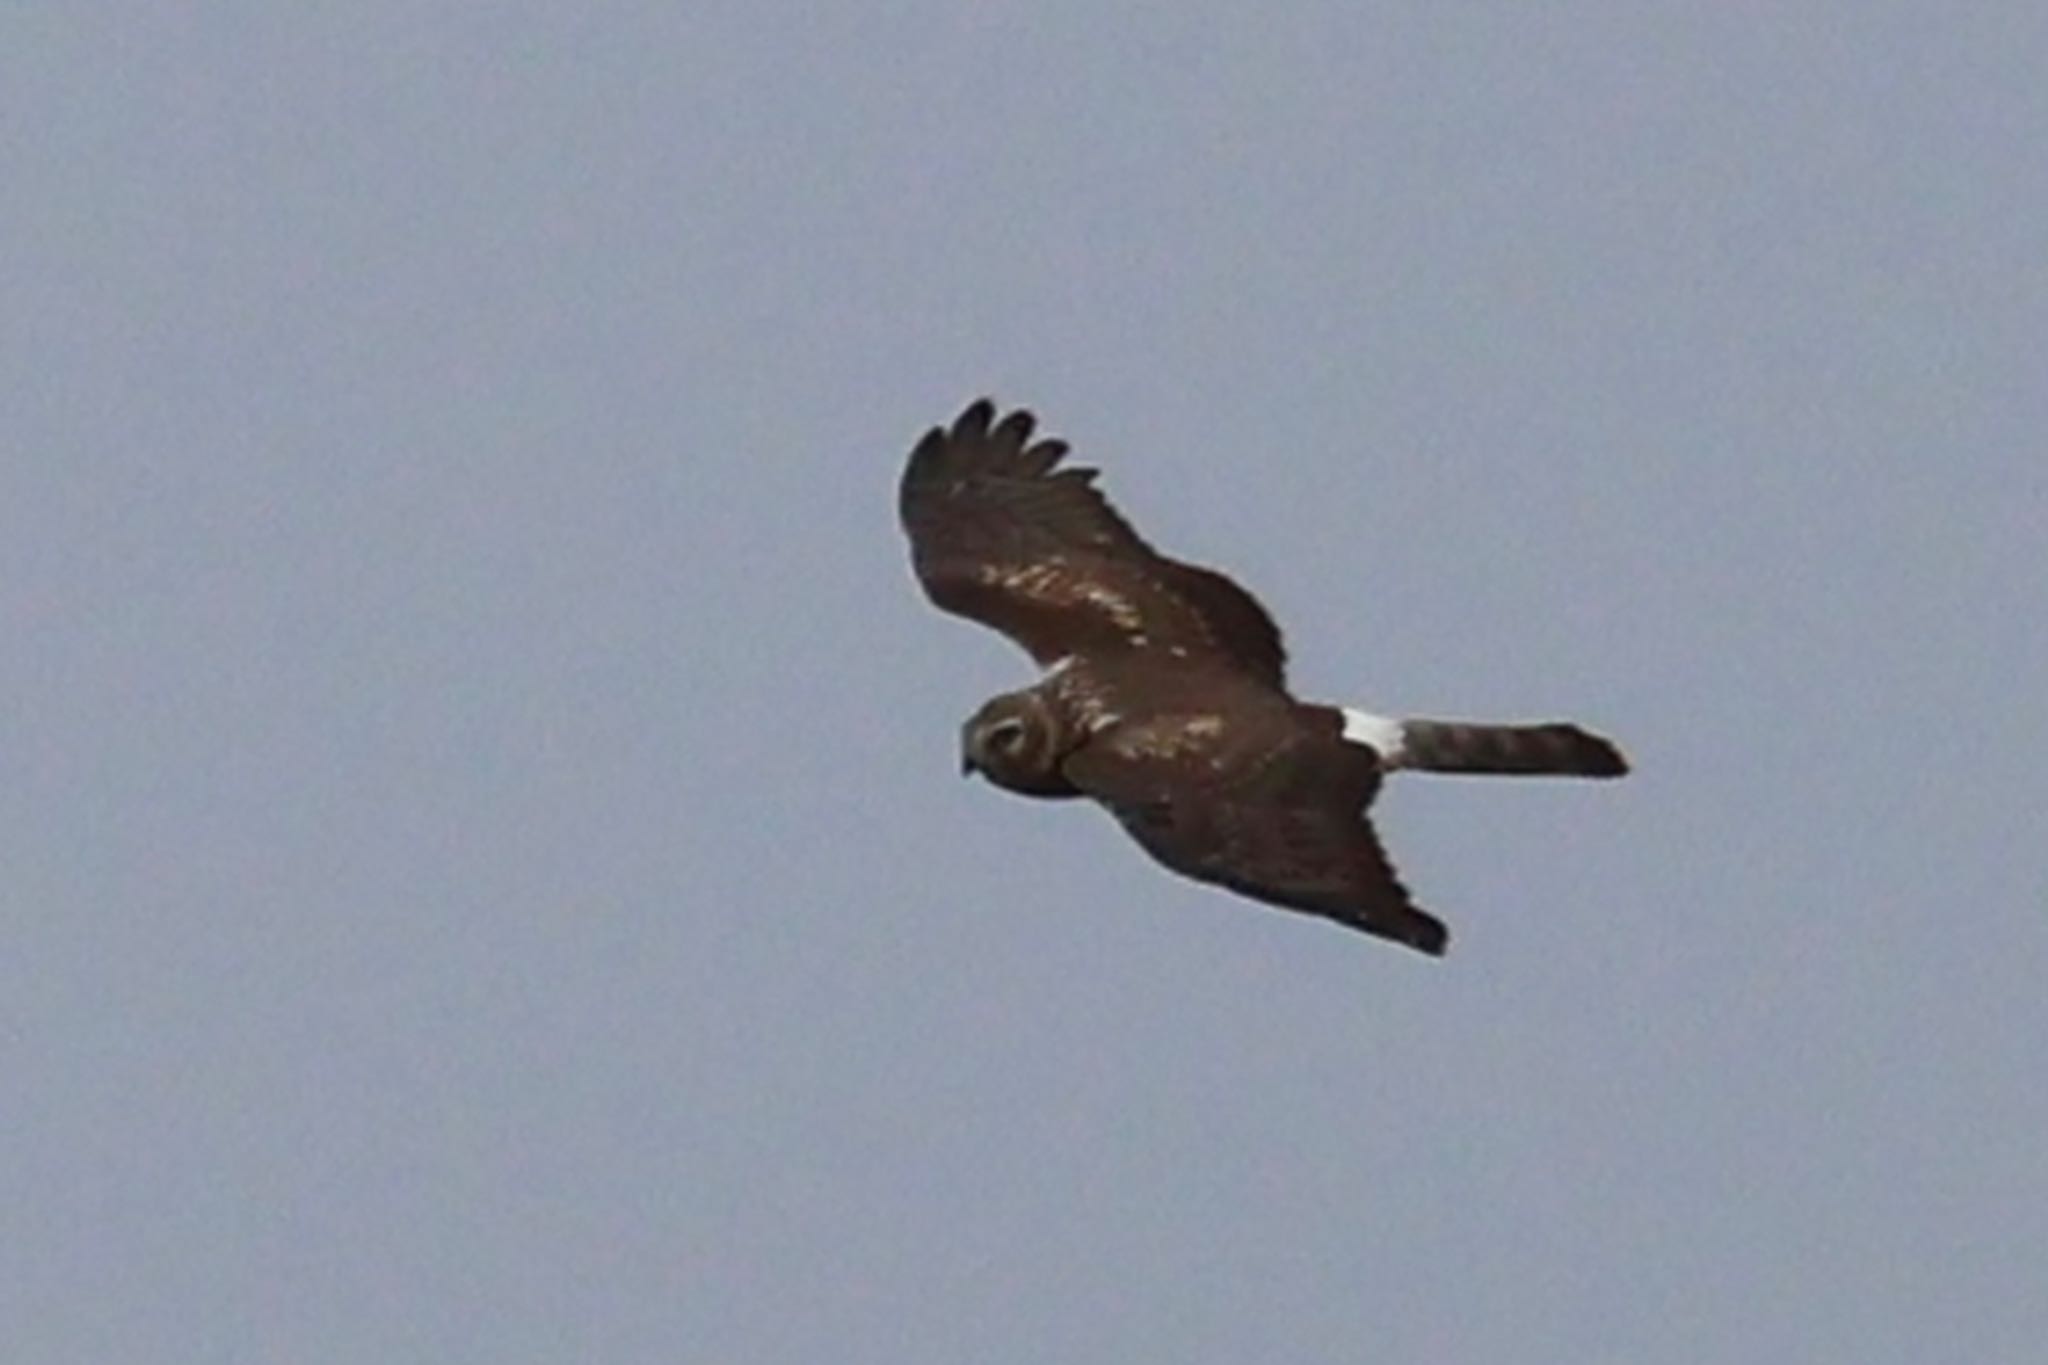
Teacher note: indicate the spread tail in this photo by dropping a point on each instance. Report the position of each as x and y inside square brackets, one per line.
[1556, 749]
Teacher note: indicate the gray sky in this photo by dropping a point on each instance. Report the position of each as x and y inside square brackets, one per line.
[485, 878]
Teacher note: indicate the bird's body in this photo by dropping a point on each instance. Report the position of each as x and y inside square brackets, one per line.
[1164, 696]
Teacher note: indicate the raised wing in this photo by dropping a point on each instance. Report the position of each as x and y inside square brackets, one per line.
[1290, 832]
[1002, 535]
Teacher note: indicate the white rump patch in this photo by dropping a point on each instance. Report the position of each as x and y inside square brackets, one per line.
[1381, 734]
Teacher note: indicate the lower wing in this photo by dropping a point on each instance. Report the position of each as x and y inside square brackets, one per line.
[1319, 861]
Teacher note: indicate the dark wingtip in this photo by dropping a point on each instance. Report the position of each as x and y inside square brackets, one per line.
[977, 440]
[1013, 433]
[1038, 460]
[1427, 934]
[1601, 757]
[974, 419]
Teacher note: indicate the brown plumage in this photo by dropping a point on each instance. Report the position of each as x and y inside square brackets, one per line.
[1165, 695]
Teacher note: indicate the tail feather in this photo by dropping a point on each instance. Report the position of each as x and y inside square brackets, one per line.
[1556, 749]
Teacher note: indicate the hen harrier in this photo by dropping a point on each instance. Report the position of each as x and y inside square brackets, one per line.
[1164, 695]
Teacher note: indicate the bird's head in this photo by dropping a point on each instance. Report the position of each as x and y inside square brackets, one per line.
[1017, 741]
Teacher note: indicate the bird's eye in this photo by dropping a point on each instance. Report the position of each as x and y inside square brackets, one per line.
[1007, 735]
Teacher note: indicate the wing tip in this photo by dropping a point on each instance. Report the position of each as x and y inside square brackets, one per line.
[1425, 933]
[974, 419]
[1406, 924]
[1593, 755]
[984, 439]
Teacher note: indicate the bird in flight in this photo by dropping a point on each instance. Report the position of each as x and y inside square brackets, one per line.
[1164, 694]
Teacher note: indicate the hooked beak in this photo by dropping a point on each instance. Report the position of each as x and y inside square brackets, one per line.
[968, 767]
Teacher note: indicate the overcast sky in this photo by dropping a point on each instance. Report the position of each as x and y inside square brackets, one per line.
[485, 873]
